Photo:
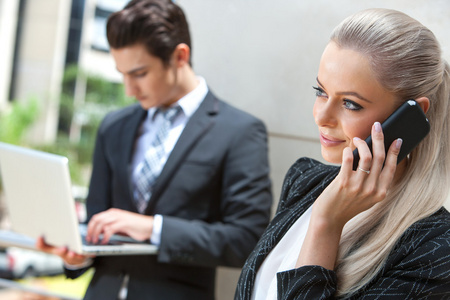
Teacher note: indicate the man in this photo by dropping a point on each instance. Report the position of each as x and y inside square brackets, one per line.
[210, 199]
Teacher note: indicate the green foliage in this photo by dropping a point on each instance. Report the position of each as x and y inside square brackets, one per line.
[101, 97]
[15, 121]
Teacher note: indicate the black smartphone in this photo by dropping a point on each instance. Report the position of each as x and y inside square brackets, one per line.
[409, 123]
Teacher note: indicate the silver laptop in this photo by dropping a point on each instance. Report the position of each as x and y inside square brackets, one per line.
[38, 195]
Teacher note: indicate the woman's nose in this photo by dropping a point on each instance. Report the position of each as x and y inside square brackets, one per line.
[324, 112]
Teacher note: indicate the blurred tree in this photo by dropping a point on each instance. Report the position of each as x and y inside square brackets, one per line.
[84, 101]
[15, 120]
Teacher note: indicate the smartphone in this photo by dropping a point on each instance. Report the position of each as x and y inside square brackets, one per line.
[409, 123]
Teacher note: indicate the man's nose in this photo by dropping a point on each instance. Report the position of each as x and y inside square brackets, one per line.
[130, 88]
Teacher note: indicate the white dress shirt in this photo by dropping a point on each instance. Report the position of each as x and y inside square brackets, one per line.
[282, 258]
[189, 105]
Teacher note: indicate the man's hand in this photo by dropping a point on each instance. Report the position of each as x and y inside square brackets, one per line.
[68, 256]
[118, 221]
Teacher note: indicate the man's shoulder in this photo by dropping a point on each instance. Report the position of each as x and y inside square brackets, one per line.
[229, 112]
[120, 115]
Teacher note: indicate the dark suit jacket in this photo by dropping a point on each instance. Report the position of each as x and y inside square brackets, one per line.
[214, 195]
[417, 268]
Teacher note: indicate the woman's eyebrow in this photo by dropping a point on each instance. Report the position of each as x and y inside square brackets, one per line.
[355, 94]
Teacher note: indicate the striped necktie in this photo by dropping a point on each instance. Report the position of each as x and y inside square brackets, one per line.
[151, 166]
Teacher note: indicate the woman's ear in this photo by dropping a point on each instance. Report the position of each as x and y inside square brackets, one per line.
[424, 103]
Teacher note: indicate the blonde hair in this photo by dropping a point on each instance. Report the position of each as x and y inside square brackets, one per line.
[406, 59]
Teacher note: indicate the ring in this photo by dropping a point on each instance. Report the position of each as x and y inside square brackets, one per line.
[365, 171]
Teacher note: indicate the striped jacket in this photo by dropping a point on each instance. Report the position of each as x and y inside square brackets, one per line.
[417, 268]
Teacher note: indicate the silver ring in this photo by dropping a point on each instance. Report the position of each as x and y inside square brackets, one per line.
[365, 171]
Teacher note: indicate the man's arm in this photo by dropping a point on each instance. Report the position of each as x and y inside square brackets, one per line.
[244, 208]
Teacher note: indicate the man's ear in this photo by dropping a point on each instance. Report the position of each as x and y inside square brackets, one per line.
[424, 103]
[181, 55]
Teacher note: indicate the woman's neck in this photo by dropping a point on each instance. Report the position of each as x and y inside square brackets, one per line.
[401, 169]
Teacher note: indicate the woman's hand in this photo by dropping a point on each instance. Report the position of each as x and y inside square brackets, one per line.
[69, 257]
[349, 194]
[118, 221]
[353, 192]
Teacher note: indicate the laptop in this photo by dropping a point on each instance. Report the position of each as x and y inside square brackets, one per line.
[38, 195]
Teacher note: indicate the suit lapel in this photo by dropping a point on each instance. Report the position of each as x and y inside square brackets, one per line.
[200, 122]
[129, 134]
[312, 183]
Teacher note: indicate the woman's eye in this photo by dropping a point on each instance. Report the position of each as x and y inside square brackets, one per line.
[350, 105]
[319, 92]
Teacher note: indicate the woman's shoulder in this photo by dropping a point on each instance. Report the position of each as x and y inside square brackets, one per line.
[306, 166]
[308, 171]
[439, 220]
[304, 176]
[423, 252]
[433, 230]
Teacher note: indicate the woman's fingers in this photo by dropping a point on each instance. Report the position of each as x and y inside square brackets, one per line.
[372, 162]
[378, 150]
[347, 162]
[353, 192]
[390, 164]
[365, 158]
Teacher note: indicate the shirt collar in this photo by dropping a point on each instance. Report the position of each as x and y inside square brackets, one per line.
[189, 102]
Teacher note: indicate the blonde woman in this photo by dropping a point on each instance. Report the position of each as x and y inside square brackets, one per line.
[379, 232]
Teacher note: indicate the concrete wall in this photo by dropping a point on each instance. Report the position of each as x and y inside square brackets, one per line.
[263, 55]
[41, 61]
[8, 19]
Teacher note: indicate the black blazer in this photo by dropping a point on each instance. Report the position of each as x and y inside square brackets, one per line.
[417, 268]
[213, 192]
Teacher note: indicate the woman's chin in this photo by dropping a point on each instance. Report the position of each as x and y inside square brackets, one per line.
[332, 158]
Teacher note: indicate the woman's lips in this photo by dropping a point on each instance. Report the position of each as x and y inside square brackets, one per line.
[328, 141]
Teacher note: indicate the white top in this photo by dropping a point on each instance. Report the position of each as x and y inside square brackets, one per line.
[282, 258]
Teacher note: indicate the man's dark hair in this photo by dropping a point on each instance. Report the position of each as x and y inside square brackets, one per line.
[160, 25]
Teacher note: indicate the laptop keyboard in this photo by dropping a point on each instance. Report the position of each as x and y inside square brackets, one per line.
[114, 240]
